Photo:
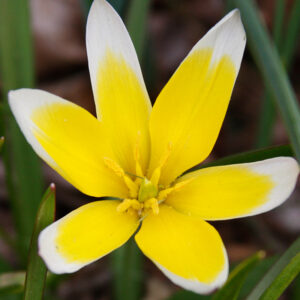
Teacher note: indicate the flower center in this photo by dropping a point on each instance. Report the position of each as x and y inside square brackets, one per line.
[146, 200]
[147, 190]
[144, 195]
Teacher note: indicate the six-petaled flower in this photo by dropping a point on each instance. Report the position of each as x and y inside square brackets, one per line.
[140, 154]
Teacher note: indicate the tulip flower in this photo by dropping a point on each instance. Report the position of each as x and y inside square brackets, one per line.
[140, 155]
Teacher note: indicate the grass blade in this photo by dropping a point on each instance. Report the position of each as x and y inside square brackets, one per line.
[272, 71]
[186, 295]
[249, 156]
[118, 5]
[127, 269]
[136, 22]
[283, 280]
[271, 275]
[36, 269]
[22, 168]
[292, 35]
[256, 274]
[236, 279]
[266, 121]
[268, 111]
[11, 282]
[295, 295]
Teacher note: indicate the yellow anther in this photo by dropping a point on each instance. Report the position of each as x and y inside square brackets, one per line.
[155, 176]
[181, 184]
[164, 193]
[132, 187]
[111, 164]
[129, 204]
[152, 203]
[156, 173]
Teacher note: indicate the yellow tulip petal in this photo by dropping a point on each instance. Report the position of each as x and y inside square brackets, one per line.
[234, 191]
[187, 249]
[121, 98]
[85, 235]
[188, 113]
[69, 139]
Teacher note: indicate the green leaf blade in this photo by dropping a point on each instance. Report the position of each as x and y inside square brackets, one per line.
[249, 156]
[272, 70]
[36, 269]
[232, 288]
[127, 270]
[136, 22]
[271, 275]
[283, 280]
[22, 168]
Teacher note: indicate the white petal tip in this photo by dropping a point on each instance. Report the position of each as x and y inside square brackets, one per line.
[48, 252]
[227, 37]
[284, 173]
[196, 286]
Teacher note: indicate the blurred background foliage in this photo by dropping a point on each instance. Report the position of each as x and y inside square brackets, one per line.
[42, 45]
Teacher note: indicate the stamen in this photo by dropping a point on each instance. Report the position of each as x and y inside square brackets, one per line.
[164, 193]
[129, 204]
[152, 203]
[156, 174]
[132, 187]
[111, 164]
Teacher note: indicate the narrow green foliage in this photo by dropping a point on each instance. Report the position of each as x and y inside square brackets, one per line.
[236, 279]
[278, 21]
[22, 169]
[5, 266]
[266, 121]
[86, 4]
[286, 45]
[136, 23]
[295, 295]
[272, 71]
[283, 280]
[127, 270]
[118, 5]
[292, 35]
[268, 111]
[274, 271]
[36, 269]
[186, 295]
[11, 282]
[256, 274]
[249, 156]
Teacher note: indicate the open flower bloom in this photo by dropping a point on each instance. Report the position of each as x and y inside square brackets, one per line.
[138, 154]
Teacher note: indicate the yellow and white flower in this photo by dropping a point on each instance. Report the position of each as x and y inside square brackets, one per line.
[138, 154]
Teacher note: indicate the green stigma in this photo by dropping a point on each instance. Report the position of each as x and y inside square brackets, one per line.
[147, 190]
